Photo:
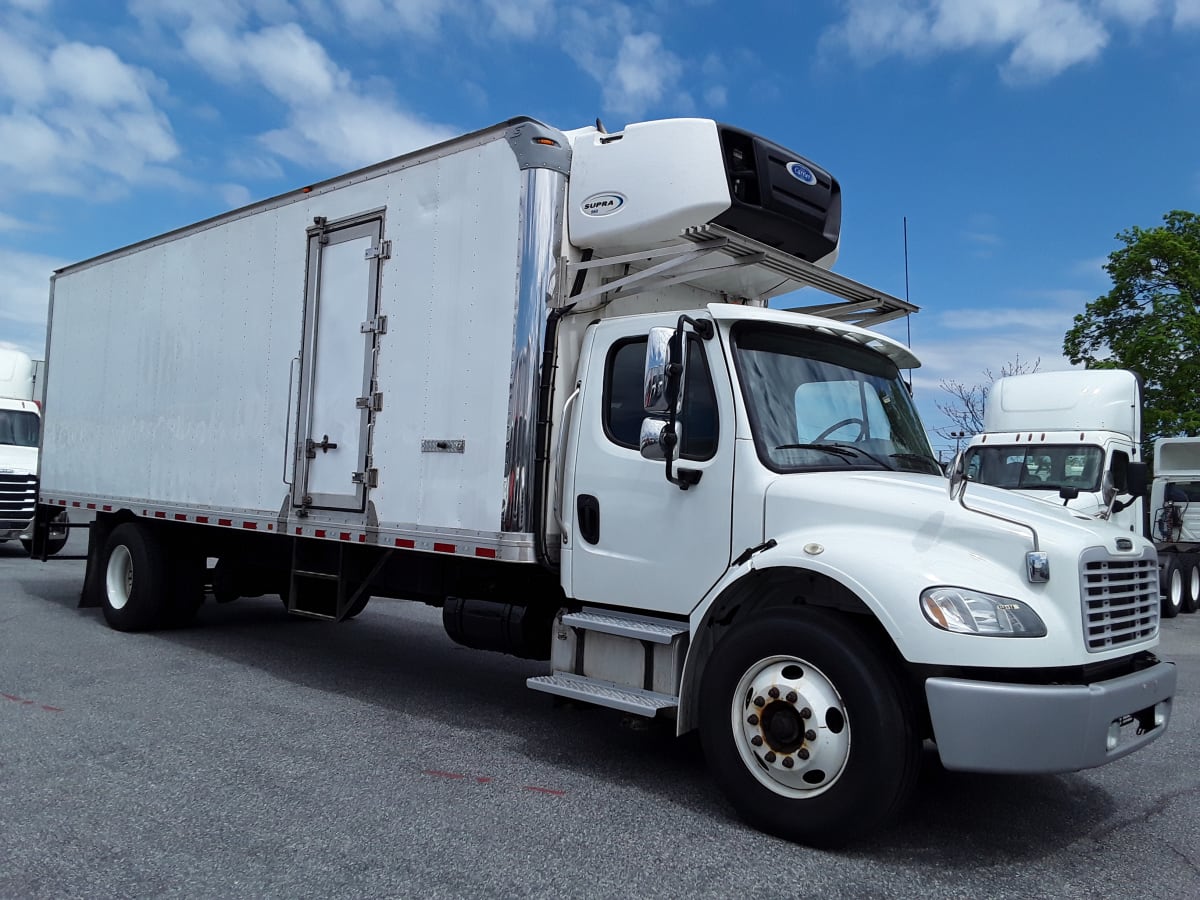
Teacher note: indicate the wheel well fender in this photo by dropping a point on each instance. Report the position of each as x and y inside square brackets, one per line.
[757, 592]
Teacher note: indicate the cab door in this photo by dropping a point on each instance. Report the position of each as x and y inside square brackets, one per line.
[635, 539]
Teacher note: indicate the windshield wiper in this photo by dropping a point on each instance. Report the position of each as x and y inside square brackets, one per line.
[934, 468]
[842, 450]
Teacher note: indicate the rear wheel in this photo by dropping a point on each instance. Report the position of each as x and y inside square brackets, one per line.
[1173, 588]
[1191, 597]
[135, 579]
[806, 727]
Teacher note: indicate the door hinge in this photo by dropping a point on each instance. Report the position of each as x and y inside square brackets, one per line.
[370, 477]
[378, 325]
[374, 402]
[383, 250]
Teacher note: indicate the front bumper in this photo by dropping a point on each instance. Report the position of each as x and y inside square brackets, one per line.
[983, 726]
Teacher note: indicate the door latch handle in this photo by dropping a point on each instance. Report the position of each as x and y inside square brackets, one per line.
[311, 447]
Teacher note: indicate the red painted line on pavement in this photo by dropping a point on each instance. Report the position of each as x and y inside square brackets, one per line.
[542, 790]
[483, 779]
[24, 702]
[51, 709]
[442, 774]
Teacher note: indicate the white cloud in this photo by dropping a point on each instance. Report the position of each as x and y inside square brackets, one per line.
[25, 288]
[235, 195]
[74, 116]
[1041, 38]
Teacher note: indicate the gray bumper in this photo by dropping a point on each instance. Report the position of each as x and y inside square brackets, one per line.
[982, 726]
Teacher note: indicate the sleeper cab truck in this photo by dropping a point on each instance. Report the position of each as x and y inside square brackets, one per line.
[531, 377]
[1074, 438]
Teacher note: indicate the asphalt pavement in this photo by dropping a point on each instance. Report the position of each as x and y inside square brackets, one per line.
[259, 755]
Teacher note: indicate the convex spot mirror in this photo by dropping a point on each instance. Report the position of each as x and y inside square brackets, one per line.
[663, 382]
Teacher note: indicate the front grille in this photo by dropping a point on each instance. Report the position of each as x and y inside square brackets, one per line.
[1120, 600]
[18, 496]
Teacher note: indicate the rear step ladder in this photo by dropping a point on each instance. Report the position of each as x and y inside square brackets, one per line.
[622, 661]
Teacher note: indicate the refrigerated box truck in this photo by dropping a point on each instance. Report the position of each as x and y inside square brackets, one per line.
[532, 377]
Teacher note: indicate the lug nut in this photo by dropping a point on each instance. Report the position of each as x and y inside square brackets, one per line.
[791, 697]
[756, 740]
[773, 693]
[806, 713]
[810, 735]
[753, 720]
[802, 753]
[770, 757]
[788, 762]
[759, 702]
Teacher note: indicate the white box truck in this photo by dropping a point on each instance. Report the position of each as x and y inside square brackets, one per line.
[531, 377]
[1074, 438]
[20, 428]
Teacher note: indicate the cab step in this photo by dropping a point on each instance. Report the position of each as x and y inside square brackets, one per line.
[604, 693]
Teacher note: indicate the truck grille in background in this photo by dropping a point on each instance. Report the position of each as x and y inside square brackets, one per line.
[18, 497]
[1120, 600]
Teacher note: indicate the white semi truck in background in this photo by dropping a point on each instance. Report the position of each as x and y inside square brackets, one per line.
[1056, 435]
[531, 377]
[20, 427]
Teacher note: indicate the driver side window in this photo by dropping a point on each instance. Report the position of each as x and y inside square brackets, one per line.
[838, 411]
[623, 399]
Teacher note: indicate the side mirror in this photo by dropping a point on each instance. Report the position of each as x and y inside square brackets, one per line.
[1136, 478]
[958, 477]
[656, 441]
[666, 361]
[1108, 486]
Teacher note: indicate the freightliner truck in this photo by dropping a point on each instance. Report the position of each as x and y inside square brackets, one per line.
[1055, 435]
[532, 377]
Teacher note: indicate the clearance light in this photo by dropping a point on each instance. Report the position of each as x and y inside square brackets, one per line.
[547, 142]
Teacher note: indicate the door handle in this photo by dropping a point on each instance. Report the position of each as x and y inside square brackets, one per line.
[311, 447]
[588, 518]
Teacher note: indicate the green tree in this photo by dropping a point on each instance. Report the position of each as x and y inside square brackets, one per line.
[1150, 322]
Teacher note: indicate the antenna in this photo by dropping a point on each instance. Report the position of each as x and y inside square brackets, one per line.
[907, 317]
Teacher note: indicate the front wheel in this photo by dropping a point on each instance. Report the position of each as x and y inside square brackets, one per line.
[806, 727]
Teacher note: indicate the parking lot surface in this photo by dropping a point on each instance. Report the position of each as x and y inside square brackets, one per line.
[258, 755]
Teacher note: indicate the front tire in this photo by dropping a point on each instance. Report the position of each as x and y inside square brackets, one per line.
[806, 727]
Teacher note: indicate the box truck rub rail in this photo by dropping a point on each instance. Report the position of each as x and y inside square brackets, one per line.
[531, 377]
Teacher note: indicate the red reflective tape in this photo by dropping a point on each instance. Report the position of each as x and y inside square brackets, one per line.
[486, 552]
[107, 508]
[225, 522]
[405, 542]
[362, 538]
[270, 526]
[159, 514]
[320, 532]
[203, 520]
[443, 548]
[250, 526]
[299, 531]
[345, 536]
[75, 503]
[62, 502]
[180, 517]
[91, 506]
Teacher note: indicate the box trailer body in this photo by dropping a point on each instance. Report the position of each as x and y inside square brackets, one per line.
[531, 377]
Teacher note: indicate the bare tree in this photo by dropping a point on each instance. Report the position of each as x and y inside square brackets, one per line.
[965, 408]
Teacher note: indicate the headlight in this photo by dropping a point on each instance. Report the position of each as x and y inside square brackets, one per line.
[965, 611]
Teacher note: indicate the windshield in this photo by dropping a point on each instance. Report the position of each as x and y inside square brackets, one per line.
[18, 428]
[819, 402]
[1037, 468]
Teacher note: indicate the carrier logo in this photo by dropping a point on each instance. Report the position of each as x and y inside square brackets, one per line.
[801, 172]
[602, 204]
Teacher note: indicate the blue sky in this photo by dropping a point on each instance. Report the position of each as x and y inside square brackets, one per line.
[1017, 136]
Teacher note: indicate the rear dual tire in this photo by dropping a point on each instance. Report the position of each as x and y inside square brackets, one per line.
[148, 583]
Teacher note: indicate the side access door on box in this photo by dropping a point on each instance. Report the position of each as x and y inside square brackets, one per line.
[337, 373]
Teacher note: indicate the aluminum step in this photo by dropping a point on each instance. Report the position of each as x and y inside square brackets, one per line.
[658, 631]
[603, 693]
